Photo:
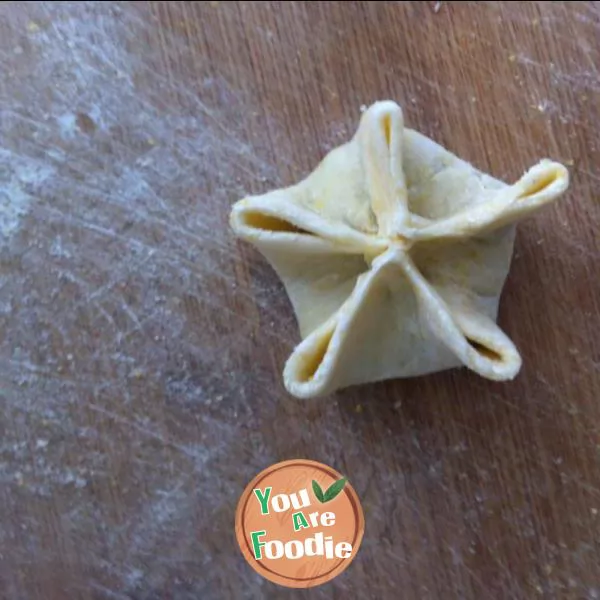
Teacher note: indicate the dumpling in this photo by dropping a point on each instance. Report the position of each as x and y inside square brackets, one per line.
[394, 253]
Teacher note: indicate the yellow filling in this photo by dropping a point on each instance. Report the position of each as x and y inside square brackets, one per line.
[485, 351]
[539, 184]
[312, 362]
[264, 222]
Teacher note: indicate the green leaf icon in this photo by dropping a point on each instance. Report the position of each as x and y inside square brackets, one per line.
[318, 491]
[335, 488]
[332, 491]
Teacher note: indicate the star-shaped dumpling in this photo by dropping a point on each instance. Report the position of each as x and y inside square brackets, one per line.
[394, 253]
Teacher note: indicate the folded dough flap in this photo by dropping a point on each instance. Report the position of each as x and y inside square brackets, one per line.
[317, 283]
[473, 337]
[491, 353]
[542, 184]
[317, 366]
[274, 220]
[381, 136]
[309, 370]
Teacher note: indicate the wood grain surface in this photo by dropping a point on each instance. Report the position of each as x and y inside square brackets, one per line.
[141, 345]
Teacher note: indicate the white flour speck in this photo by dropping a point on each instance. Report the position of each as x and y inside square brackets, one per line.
[67, 124]
[14, 203]
[19, 178]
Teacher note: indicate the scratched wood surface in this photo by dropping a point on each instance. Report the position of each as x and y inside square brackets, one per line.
[141, 346]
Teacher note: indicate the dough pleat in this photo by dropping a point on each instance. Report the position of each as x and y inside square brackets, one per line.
[475, 340]
[328, 355]
[541, 185]
[273, 221]
[381, 143]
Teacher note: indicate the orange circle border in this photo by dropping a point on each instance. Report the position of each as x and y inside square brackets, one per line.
[273, 576]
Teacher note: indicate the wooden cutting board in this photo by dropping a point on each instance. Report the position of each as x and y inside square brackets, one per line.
[141, 345]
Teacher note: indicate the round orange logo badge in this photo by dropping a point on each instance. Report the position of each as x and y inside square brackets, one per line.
[299, 523]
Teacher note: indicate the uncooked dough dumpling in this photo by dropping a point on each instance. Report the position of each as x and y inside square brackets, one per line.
[394, 253]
